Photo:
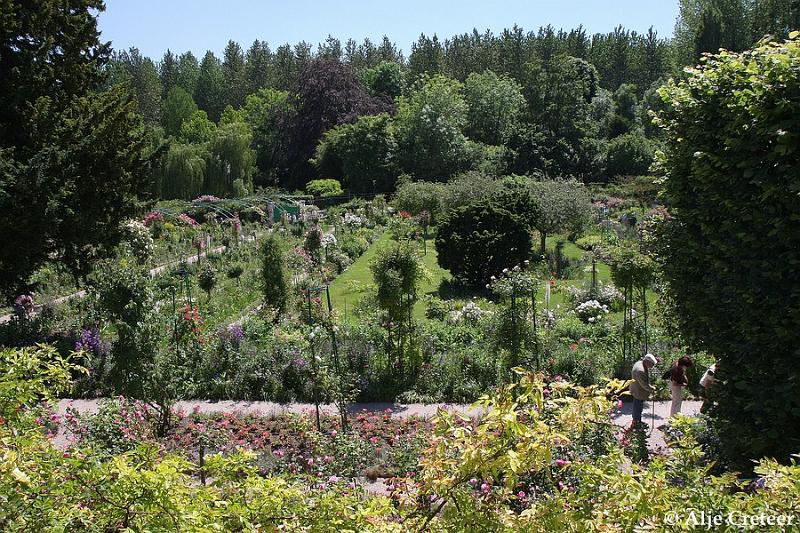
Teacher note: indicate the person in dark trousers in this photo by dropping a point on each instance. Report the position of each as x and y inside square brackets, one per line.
[677, 381]
[640, 388]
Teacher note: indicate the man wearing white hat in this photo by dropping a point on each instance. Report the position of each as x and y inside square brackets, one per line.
[641, 388]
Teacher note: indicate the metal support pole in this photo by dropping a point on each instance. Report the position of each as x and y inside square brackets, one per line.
[335, 347]
[315, 366]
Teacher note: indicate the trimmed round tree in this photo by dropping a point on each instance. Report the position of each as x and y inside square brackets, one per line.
[731, 249]
[478, 241]
[563, 206]
[274, 278]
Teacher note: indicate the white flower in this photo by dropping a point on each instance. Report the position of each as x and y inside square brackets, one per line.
[328, 239]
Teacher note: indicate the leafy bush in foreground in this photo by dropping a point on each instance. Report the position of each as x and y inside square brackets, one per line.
[543, 457]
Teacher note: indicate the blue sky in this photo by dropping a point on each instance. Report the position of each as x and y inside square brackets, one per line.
[200, 25]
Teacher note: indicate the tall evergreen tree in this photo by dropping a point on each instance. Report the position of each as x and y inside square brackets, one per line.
[233, 73]
[427, 56]
[258, 64]
[210, 91]
[188, 72]
[141, 76]
[72, 157]
[169, 72]
[178, 107]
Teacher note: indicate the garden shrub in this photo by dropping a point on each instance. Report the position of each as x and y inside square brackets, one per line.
[418, 196]
[589, 242]
[468, 188]
[478, 241]
[629, 155]
[731, 248]
[324, 188]
[274, 278]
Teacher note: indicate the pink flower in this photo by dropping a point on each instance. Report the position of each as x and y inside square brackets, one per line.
[521, 495]
[310, 461]
[39, 421]
[334, 433]
[473, 482]
[333, 479]
[485, 488]
[560, 486]
[67, 454]
[373, 440]
[562, 462]
[619, 404]
[278, 453]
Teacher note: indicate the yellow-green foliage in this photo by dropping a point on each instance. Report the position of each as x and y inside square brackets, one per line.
[554, 440]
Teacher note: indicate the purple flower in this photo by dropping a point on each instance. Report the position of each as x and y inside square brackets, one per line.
[236, 332]
[91, 342]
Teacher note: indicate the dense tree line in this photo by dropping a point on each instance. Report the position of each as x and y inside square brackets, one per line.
[552, 102]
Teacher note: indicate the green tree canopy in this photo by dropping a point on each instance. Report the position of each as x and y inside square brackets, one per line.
[178, 107]
[267, 112]
[230, 158]
[629, 155]
[182, 171]
[429, 128]
[387, 79]
[197, 128]
[362, 154]
[72, 158]
[495, 103]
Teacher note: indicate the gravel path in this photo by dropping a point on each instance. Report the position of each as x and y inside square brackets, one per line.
[156, 271]
[653, 417]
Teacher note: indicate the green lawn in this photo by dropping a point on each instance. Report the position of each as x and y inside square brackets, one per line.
[352, 285]
[348, 288]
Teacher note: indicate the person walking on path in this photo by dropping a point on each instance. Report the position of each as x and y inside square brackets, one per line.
[707, 381]
[640, 388]
[677, 381]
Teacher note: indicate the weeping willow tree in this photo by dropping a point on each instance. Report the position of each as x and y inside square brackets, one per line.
[182, 172]
[231, 161]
